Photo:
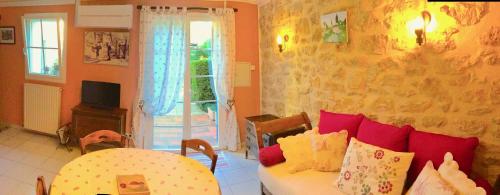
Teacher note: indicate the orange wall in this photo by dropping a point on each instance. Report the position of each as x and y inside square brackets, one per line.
[12, 65]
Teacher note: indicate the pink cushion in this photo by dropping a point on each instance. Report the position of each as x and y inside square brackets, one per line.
[481, 182]
[335, 122]
[385, 136]
[430, 146]
[269, 156]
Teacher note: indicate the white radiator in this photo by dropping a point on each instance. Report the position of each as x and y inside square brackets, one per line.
[42, 107]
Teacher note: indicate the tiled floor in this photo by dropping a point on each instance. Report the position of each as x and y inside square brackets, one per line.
[25, 155]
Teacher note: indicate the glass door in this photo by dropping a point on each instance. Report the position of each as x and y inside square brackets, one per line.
[195, 115]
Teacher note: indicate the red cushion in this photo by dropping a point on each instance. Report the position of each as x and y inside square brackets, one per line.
[481, 182]
[385, 136]
[269, 156]
[430, 146]
[335, 122]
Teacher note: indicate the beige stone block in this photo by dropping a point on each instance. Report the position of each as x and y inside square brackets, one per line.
[480, 111]
[434, 121]
[401, 120]
[382, 105]
[415, 106]
[469, 127]
[466, 13]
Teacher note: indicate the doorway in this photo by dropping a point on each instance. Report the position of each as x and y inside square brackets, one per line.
[195, 114]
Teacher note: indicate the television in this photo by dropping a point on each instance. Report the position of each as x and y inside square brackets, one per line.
[101, 94]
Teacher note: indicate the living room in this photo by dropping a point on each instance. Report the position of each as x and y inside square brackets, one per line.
[415, 66]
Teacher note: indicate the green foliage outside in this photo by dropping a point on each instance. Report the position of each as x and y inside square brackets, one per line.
[201, 87]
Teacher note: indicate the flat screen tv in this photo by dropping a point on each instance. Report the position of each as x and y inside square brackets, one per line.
[101, 94]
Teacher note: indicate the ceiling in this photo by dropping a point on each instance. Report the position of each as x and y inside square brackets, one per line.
[11, 3]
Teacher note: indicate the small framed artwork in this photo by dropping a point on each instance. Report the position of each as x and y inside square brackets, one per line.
[106, 48]
[7, 35]
[335, 27]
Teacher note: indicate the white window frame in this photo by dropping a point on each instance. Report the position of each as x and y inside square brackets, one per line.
[62, 48]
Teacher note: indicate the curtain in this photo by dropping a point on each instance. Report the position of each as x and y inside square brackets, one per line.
[162, 59]
[223, 67]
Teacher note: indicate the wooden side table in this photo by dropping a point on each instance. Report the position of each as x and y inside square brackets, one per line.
[252, 140]
[86, 120]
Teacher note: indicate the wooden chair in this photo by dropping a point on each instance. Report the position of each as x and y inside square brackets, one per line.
[100, 136]
[200, 146]
[40, 186]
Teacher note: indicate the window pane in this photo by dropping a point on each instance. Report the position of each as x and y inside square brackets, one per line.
[34, 33]
[51, 62]
[201, 33]
[49, 27]
[202, 90]
[35, 61]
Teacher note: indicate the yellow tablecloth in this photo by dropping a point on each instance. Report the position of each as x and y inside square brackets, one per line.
[165, 173]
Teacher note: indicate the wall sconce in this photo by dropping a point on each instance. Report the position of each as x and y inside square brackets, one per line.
[282, 42]
[420, 25]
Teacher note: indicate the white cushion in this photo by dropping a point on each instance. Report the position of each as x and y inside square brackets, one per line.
[329, 150]
[279, 181]
[370, 169]
[297, 151]
[450, 173]
[430, 182]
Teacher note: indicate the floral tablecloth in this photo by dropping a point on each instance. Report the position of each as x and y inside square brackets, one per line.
[165, 173]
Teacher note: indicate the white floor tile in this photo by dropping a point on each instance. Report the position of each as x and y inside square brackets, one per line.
[6, 165]
[16, 155]
[246, 188]
[226, 191]
[21, 173]
[237, 176]
[53, 165]
[24, 189]
[34, 160]
[7, 185]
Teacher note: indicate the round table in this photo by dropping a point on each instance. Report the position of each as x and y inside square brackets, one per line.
[165, 173]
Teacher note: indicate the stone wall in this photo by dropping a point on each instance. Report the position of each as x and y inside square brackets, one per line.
[450, 85]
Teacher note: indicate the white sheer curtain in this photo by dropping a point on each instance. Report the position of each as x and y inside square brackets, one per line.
[162, 60]
[223, 66]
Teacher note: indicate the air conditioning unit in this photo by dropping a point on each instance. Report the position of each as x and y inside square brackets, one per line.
[104, 16]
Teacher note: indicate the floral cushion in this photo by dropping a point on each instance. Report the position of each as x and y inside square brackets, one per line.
[369, 169]
[329, 150]
[451, 174]
[297, 150]
[430, 182]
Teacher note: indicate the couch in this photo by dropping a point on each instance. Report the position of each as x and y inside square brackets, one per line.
[276, 180]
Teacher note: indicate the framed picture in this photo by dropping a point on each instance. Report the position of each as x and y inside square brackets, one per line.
[7, 35]
[106, 48]
[335, 27]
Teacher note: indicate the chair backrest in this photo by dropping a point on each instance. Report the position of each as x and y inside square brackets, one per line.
[40, 186]
[101, 136]
[200, 146]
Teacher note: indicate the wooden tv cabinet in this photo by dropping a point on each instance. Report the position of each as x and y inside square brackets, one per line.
[86, 119]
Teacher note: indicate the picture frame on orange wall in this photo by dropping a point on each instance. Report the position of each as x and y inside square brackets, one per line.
[7, 35]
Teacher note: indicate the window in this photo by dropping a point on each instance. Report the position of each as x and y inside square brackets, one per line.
[45, 46]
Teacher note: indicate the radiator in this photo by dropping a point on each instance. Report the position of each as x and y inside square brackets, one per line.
[42, 107]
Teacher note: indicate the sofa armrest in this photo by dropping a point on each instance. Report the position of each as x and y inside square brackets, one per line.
[283, 123]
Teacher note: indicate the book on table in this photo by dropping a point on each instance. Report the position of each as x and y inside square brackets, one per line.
[132, 185]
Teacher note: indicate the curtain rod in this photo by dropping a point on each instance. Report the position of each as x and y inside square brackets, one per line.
[189, 8]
